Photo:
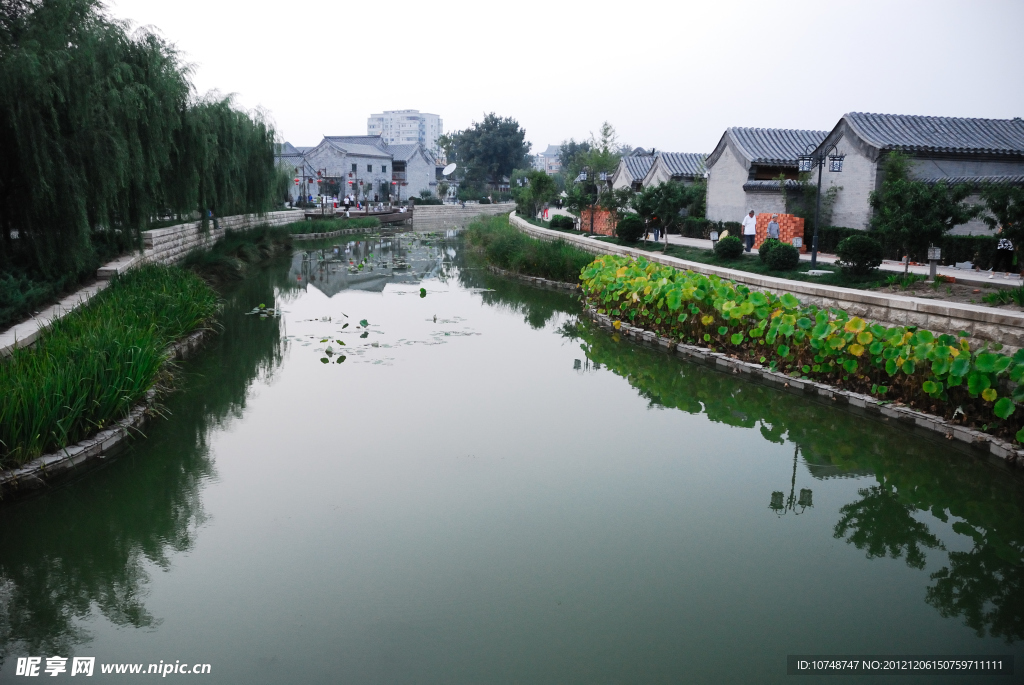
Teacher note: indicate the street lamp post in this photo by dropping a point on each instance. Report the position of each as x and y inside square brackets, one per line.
[807, 161]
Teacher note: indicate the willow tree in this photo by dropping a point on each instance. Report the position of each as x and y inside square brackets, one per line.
[100, 129]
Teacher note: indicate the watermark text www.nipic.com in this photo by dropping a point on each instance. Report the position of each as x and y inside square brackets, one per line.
[86, 665]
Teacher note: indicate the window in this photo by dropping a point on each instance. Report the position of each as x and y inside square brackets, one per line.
[384, 169]
[369, 167]
[353, 168]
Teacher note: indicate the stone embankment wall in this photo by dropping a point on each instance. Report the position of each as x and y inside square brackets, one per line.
[444, 217]
[982, 323]
[170, 245]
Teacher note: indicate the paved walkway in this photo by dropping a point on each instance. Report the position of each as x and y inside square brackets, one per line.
[827, 261]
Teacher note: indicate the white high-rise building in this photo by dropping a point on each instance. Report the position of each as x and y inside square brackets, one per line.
[405, 126]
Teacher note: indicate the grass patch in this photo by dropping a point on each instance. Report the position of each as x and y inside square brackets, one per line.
[508, 248]
[232, 257]
[94, 364]
[329, 225]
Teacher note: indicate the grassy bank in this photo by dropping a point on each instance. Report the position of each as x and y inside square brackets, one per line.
[232, 257]
[510, 249]
[328, 225]
[94, 364]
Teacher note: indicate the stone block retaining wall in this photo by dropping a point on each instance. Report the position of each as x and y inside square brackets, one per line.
[982, 323]
[170, 245]
[444, 217]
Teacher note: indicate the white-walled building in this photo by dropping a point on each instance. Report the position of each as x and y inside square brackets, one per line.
[406, 127]
[364, 166]
[951, 149]
[744, 168]
[682, 167]
[631, 170]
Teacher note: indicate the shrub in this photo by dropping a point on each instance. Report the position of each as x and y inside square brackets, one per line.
[562, 221]
[630, 228]
[829, 237]
[898, 363]
[783, 257]
[730, 247]
[766, 247]
[859, 254]
[485, 200]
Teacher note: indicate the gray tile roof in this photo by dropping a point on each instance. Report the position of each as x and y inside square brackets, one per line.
[939, 134]
[1009, 179]
[684, 163]
[773, 146]
[552, 151]
[360, 150]
[771, 186]
[377, 141]
[638, 165]
[403, 153]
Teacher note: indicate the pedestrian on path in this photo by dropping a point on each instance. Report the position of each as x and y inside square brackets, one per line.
[1004, 255]
[773, 227]
[749, 231]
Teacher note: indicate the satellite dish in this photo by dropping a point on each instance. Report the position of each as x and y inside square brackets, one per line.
[449, 169]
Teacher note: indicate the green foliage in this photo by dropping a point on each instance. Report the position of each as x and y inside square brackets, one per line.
[1006, 206]
[783, 257]
[94, 364]
[729, 247]
[766, 248]
[1009, 296]
[513, 250]
[569, 152]
[488, 150]
[331, 225]
[531, 189]
[562, 221]
[232, 257]
[630, 229]
[100, 131]
[859, 254]
[911, 215]
[826, 344]
[661, 204]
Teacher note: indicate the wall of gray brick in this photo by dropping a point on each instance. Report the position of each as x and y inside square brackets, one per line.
[170, 245]
[444, 217]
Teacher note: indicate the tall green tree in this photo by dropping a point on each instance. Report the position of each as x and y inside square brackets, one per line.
[100, 129]
[531, 189]
[1005, 204]
[489, 150]
[912, 215]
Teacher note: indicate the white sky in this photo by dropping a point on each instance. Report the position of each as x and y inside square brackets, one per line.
[669, 74]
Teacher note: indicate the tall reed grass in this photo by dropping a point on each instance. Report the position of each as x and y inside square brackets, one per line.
[93, 365]
[510, 249]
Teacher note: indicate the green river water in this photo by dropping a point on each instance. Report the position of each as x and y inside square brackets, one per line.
[489, 489]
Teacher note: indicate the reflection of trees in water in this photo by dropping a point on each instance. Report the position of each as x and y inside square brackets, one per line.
[537, 305]
[984, 586]
[86, 546]
[882, 525]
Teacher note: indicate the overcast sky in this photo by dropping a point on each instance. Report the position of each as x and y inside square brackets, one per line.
[667, 74]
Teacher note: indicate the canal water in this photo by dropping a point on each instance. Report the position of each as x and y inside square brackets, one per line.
[479, 486]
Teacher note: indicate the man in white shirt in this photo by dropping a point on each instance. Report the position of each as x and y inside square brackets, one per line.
[749, 231]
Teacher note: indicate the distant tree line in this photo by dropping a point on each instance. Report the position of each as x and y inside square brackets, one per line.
[101, 132]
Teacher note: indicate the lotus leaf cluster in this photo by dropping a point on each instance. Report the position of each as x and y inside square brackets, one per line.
[898, 363]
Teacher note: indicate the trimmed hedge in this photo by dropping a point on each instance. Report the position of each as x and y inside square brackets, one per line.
[896, 363]
[562, 221]
[766, 248]
[783, 257]
[729, 247]
[630, 229]
[859, 254]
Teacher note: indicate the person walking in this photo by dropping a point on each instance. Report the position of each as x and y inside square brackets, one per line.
[749, 231]
[773, 227]
[1004, 255]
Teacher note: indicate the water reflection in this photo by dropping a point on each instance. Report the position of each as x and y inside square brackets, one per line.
[86, 547]
[916, 479]
[370, 264]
